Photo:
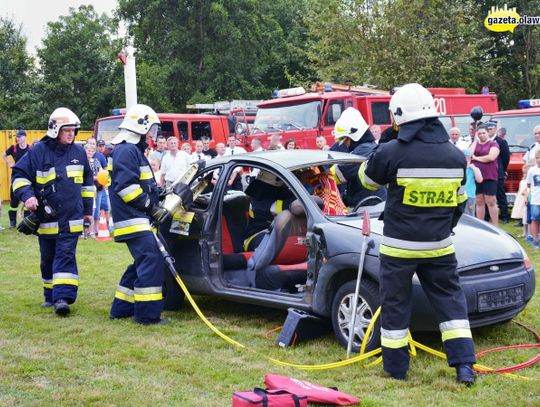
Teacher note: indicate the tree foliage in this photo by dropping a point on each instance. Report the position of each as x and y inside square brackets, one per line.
[15, 75]
[437, 42]
[77, 65]
[198, 51]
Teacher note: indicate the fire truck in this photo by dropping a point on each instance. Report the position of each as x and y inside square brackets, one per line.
[518, 125]
[302, 116]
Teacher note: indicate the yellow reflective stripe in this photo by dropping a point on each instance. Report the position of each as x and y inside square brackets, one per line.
[366, 182]
[47, 285]
[456, 333]
[42, 177]
[430, 192]
[462, 194]
[251, 214]
[415, 254]
[87, 194]
[146, 173]
[50, 228]
[130, 193]
[67, 281]
[20, 182]
[148, 297]
[76, 225]
[336, 173]
[110, 164]
[124, 297]
[279, 206]
[120, 231]
[394, 343]
[75, 173]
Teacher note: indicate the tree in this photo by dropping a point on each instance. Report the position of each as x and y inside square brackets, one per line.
[437, 43]
[15, 76]
[78, 65]
[196, 51]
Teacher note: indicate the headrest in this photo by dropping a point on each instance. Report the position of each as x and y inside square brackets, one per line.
[297, 208]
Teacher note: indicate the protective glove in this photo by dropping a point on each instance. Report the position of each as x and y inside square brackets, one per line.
[29, 225]
[201, 164]
[157, 214]
[185, 193]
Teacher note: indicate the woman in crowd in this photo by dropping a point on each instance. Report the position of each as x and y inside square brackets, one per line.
[290, 144]
[484, 157]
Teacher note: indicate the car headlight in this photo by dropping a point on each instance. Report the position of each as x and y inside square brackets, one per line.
[526, 260]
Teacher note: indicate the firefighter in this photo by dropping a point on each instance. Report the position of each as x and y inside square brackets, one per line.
[134, 198]
[16, 151]
[426, 196]
[352, 135]
[55, 182]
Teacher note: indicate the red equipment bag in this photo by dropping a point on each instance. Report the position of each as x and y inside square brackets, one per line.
[267, 398]
[314, 392]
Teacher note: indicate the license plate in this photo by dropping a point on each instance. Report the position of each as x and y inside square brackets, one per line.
[490, 300]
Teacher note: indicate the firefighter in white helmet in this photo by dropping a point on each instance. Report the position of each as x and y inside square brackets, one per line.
[352, 135]
[55, 182]
[134, 198]
[426, 196]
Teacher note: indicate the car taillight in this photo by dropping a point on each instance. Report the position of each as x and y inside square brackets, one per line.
[526, 260]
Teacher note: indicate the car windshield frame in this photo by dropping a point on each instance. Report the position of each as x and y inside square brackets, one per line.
[291, 116]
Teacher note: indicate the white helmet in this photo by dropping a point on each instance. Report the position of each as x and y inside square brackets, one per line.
[412, 102]
[138, 121]
[350, 124]
[62, 117]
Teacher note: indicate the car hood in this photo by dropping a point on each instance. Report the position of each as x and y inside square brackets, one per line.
[475, 241]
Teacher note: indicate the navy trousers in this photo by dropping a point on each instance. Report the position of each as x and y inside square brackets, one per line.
[59, 268]
[139, 293]
[440, 282]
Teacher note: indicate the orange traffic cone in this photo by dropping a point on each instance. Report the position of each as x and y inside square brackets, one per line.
[103, 230]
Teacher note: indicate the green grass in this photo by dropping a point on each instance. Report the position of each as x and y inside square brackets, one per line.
[87, 359]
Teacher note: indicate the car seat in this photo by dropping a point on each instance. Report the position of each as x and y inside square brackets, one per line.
[280, 261]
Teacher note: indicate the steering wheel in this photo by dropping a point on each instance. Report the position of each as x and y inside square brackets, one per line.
[375, 198]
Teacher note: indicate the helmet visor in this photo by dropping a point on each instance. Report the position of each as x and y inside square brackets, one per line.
[154, 131]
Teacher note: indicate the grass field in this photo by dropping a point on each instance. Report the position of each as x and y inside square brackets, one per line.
[87, 359]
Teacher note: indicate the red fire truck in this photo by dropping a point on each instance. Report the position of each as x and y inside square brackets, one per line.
[518, 125]
[302, 116]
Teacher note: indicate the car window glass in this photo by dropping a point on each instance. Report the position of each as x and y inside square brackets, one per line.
[201, 130]
[182, 130]
[380, 113]
[167, 129]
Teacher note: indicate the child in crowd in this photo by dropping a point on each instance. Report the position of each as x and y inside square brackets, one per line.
[473, 176]
[519, 211]
[533, 182]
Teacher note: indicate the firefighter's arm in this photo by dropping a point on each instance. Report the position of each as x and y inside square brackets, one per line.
[126, 181]
[87, 189]
[373, 173]
[461, 202]
[22, 180]
[9, 161]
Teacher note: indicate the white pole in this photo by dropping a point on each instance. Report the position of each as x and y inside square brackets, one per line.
[130, 78]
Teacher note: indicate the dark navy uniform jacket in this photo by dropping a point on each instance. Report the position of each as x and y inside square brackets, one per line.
[59, 175]
[425, 174]
[133, 191]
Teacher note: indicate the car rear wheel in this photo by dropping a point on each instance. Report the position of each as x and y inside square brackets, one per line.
[368, 302]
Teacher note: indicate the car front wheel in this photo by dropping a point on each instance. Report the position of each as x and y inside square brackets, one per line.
[368, 302]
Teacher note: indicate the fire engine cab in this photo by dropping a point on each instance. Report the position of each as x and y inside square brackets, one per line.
[302, 116]
[518, 126]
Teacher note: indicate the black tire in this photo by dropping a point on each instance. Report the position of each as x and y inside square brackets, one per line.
[172, 293]
[368, 302]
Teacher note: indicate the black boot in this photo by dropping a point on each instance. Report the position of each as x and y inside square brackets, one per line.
[465, 374]
[61, 307]
[12, 219]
